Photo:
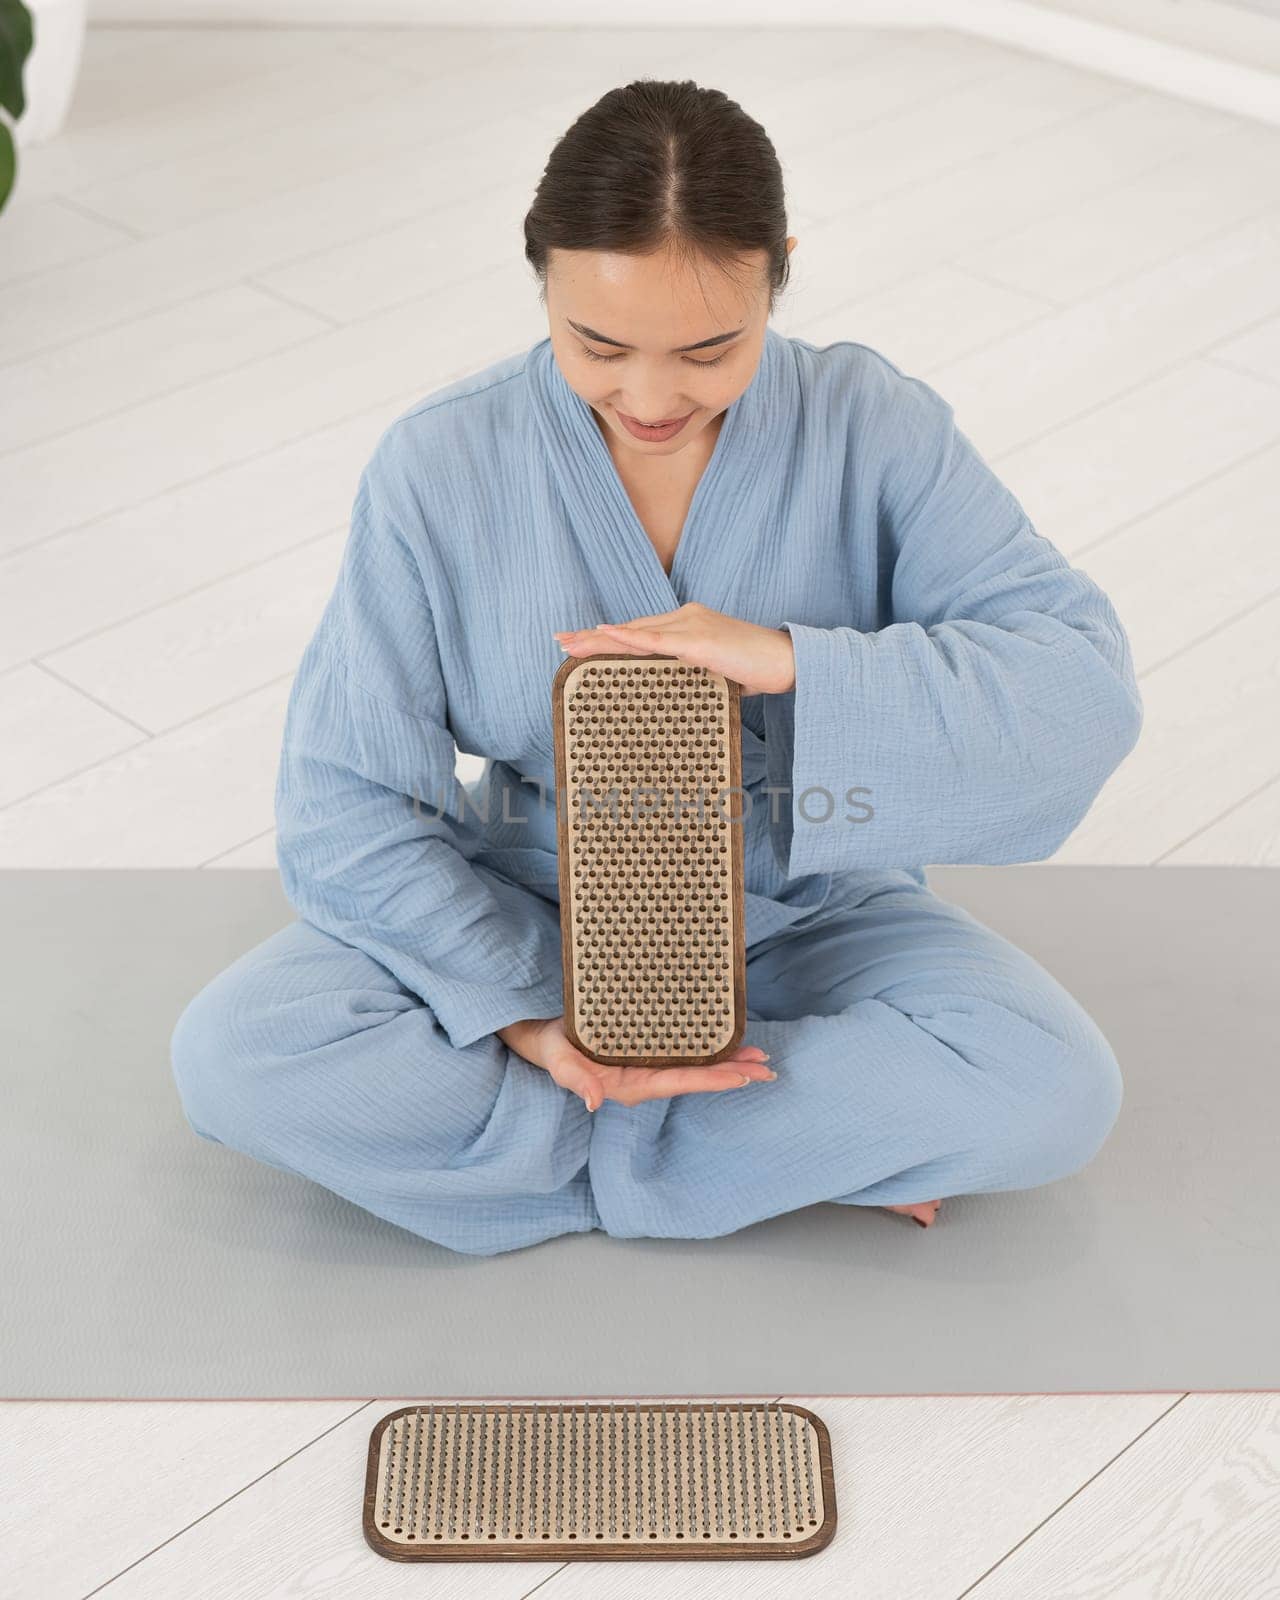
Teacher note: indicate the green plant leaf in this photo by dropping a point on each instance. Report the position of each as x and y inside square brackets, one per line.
[8, 163]
[16, 37]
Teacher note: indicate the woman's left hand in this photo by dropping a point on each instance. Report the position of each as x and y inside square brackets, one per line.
[761, 660]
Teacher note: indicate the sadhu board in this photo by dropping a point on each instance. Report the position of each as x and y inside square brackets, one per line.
[649, 802]
[636, 1481]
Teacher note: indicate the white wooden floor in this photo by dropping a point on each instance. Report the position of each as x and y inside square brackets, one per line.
[245, 255]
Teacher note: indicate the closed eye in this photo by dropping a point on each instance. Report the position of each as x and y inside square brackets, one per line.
[595, 357]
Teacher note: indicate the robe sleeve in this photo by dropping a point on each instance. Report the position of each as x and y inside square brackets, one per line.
[980, 724]
[374, 831]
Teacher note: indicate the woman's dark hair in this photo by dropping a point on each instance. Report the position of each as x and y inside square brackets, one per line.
[662, 164]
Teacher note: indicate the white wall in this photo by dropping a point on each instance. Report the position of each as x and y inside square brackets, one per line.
[1230, 32]
[1227, 31]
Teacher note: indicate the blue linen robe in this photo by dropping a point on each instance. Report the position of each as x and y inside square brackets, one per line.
[961, 695]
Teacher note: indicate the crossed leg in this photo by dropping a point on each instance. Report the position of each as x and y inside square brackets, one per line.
[918, 1053]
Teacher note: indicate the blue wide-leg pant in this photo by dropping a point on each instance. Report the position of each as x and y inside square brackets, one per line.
[919, 1054]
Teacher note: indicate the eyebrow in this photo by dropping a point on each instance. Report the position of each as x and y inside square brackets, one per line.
[603, 338]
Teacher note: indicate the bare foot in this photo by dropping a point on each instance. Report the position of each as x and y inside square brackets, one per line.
[924, 1211]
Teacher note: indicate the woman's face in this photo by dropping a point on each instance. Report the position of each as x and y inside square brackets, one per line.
[654, 339]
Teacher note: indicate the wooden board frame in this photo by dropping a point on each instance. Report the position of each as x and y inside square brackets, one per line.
[604, 1549]
[733, 734]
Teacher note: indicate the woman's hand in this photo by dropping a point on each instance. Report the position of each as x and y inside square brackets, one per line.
[544, 1043]
[761, 660]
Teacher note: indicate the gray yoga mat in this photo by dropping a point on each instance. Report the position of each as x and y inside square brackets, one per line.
[140, 1261]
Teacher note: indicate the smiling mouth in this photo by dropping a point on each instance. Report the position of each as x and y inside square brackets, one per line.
[664, 423]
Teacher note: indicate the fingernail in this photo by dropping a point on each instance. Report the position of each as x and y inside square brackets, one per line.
[744, 1081]
[770, 1076]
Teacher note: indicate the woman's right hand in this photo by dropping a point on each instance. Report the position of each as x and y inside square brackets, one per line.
[543, 1042]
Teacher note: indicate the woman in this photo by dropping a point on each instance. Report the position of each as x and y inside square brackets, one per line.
[924, 679]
